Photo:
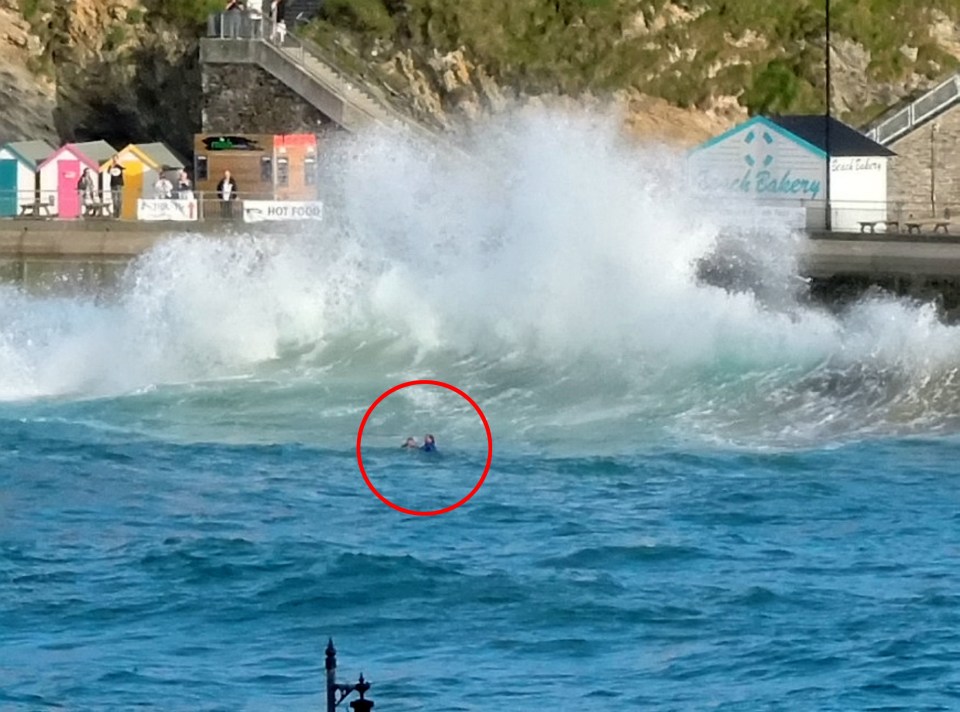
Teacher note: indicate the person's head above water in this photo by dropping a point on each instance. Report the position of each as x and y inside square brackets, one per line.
[410, 442]
[429, 444]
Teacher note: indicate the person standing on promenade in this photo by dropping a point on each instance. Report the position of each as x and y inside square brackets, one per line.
[227, 192]
[116, 187]
[163, 187]
[184, 186]
[88, 188]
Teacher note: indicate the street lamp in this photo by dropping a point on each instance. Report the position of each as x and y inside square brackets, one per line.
[337, 693]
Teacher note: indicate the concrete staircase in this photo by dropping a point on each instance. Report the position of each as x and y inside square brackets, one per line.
[310, 71]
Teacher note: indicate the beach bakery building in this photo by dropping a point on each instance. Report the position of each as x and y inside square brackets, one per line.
[780, 163]
[264, 166]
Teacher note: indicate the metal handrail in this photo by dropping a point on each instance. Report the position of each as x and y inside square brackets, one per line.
[908, 117]
[98, 203]
[889, 215]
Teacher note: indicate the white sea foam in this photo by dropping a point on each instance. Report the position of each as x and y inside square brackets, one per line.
[554, 273]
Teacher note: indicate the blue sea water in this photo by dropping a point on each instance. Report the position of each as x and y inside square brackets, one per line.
[699, 499]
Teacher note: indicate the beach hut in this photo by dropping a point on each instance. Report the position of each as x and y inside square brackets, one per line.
[19, 161]
[142, 165]
[60, 173]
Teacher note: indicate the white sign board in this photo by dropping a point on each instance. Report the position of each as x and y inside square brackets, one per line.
[263, 210]
[152, 209]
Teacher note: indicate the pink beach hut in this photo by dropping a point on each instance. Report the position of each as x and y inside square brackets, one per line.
[60, 174]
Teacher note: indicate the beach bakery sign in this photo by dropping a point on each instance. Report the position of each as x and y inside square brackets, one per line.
[762, 176]
[760, 169]
[278, 210]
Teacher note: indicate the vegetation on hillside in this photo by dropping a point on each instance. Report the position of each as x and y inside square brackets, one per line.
[769, 53]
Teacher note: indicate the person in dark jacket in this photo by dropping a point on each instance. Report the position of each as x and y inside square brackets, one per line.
[227, 192]
[429, 444]
[116, 186]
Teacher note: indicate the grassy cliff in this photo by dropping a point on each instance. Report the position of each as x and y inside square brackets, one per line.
[767, 55]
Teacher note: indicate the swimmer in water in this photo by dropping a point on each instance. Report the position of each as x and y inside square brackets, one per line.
[411, 444]
[429, 444]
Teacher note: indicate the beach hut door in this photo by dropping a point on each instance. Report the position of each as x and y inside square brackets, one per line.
[8, 187]
[68, 197]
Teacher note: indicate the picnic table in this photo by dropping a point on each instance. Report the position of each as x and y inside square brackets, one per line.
[33, 208]
[871, 225]
[917, 227]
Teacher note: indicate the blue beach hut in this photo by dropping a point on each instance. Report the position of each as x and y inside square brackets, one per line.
[19, 161]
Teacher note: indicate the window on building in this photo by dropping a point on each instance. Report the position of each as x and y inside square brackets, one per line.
[200, 169]
[310, 171]
[266, 170]
[283, 171]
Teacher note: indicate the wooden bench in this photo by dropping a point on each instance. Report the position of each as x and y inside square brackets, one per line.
[96, 210]
[913, 227]
[945, 226]
[871, 225]
[34, 208]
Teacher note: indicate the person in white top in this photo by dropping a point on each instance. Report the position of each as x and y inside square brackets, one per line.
[163, 187]
[255, 12]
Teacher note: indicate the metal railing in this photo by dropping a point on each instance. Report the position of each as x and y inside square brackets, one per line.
[899, 216]
[931, 103]
[890, 216]
[191, 206]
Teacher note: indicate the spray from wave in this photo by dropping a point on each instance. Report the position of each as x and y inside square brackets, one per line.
[553, 275]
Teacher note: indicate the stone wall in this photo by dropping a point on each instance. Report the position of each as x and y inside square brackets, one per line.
[925, 173]
[243, 98]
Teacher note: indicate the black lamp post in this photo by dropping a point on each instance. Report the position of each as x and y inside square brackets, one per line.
[827, 119]
[337, 693]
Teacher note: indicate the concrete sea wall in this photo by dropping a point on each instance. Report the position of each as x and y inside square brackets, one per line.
[76, 256]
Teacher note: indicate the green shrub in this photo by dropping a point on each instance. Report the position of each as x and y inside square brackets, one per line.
[30, 9]
[189, 13]
[774, 89]
[114, 38]
[362, 16]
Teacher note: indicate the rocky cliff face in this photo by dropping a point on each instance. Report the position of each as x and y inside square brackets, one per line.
[449, 90]
[92, 69]
[126, 70]
[28, 97]
[710, 62]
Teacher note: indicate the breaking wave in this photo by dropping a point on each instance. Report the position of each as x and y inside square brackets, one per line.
[553, 275]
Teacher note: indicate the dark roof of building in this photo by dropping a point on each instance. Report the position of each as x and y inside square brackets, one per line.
[844, 140]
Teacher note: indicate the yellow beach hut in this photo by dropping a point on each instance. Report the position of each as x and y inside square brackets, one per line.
[143, 163]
